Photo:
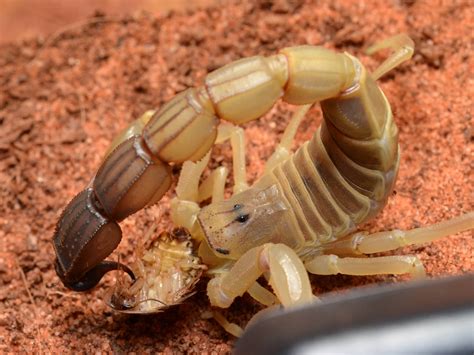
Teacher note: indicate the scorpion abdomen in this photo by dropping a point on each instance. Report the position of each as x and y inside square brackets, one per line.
[332, 187]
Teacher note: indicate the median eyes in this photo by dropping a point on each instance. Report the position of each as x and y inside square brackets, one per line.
[242, 218]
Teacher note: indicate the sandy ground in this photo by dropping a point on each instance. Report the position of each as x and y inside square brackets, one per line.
[26, 19]
[64, 98]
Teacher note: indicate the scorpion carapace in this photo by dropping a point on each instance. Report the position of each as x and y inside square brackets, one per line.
[254, 216]
[298, 217]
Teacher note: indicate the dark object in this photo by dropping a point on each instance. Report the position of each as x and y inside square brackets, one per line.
[87, 231]
[427, 317]
[82, 239]
[92, 277]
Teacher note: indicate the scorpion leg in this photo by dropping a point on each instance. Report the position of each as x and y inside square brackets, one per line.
[283, 150]
[396, 264]
[288, 276]
[262, 295]
[185, 207]
[235, 329]
[214, 185]
[229, 327]
[360, 243]
[237, 141]
[288, 279]
[133, 129]
[403, 48]
[188, 183]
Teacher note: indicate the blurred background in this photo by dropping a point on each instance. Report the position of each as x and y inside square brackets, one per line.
[23, 19]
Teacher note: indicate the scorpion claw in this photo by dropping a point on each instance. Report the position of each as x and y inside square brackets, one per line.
[91, 278]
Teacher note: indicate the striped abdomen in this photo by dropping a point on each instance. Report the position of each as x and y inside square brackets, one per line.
[344, 174]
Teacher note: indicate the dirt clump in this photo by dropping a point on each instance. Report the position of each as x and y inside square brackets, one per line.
[63, 100]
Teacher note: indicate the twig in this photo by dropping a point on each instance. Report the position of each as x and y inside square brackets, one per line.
[51, 38]
[25, 283]
[32, 300]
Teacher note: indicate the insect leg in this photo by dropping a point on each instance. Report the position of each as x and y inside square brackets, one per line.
[360, 243]
[403, 48]
[396, 264]
[283, 150]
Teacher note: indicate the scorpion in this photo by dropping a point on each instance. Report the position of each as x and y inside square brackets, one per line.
[300, 216]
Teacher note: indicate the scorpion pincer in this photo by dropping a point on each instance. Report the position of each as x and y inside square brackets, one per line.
[299, 217]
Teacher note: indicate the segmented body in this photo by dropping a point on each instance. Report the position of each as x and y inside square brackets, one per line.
[137, 170]
[344, 174]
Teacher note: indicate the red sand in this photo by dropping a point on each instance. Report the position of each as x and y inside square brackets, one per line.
[63, 100]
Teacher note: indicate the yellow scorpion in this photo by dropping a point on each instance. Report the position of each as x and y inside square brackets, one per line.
[298, 217]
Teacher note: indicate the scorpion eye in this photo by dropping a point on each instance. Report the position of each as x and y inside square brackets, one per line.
[242, 218]
[237, 207]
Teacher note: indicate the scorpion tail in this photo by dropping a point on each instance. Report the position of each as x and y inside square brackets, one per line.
[403, 48]
[93, 276]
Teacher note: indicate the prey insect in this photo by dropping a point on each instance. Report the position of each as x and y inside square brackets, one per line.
[299, 217]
